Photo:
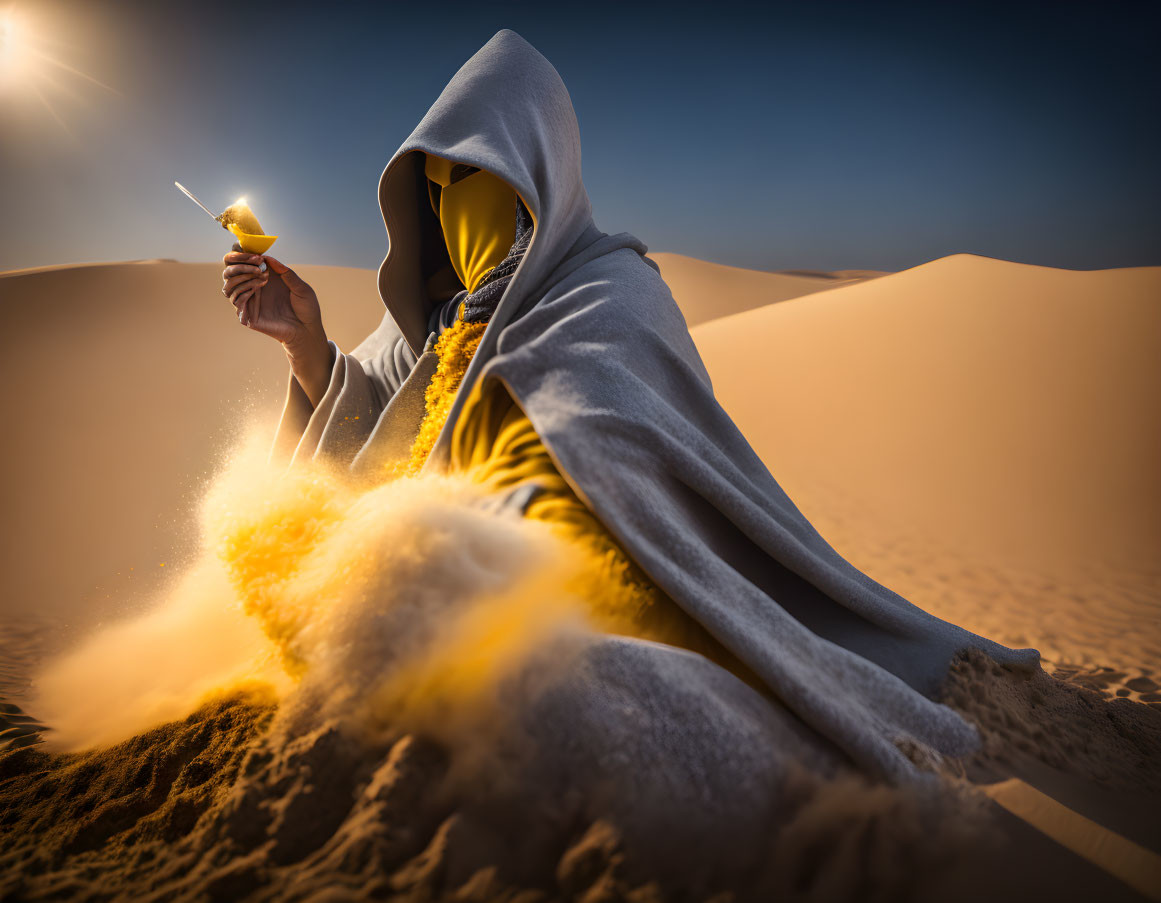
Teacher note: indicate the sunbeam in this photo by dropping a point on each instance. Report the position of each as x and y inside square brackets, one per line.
[51, 110]
[32, 68]
[60, 64]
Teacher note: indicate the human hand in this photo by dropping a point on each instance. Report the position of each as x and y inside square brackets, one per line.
[278, 303]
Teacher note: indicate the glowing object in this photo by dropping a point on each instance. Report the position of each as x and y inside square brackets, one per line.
[240, 214]
[239, 220]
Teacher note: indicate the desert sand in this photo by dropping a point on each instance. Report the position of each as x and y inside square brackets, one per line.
[102, 468]
[980, 436]
[709, 291]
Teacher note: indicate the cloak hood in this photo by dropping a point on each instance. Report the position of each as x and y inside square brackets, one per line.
[589, 342]
[506, 111]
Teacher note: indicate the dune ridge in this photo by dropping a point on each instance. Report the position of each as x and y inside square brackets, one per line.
[708, 291]
[978, 435]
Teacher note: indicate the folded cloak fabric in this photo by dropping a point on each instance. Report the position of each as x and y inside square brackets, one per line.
[589, 342]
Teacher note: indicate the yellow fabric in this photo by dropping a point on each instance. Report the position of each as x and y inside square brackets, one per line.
[503, 451]
[478, 218]
[495, 443]
[454, 348]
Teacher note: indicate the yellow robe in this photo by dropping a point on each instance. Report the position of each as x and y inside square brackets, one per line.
[495, 443]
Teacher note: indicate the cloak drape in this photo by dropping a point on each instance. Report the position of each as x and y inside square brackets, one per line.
[590, 343]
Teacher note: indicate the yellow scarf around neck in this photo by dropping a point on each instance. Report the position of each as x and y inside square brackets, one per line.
[454, 348]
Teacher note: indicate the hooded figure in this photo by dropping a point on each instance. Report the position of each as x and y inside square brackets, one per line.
[581, 339]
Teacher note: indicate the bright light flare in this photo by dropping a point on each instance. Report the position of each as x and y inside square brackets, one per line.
[14, 51]
[28, 68]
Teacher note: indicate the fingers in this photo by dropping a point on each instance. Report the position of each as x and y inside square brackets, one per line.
[237, 255]
[239, 294]
[249, 280]
[236, 252]
[240, 300]
[241, 290]
[236, 269]
[291, 278]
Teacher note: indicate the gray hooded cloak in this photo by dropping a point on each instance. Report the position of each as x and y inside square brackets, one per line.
[589, 342]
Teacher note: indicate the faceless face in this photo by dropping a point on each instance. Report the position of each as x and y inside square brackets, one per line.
[443, 173]
[477, 213]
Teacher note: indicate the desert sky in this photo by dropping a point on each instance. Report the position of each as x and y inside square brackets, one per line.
[779, 136]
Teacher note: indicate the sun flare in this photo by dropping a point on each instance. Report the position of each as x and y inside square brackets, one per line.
[13, 50]
[32, 66]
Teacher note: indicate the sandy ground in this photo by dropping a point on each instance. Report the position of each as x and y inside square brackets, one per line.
[134, 379]
[708, 291]
[978, 435]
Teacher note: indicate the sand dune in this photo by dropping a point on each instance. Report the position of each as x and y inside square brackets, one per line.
[706, 291]
[134, 377]
[980, 435]
[125, 381]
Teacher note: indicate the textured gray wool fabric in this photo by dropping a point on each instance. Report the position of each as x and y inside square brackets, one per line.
[588, 340]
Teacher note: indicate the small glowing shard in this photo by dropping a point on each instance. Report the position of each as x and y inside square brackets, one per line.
[240, 220]
[240, 215]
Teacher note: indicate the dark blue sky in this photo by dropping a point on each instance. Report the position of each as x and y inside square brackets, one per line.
[822, 135]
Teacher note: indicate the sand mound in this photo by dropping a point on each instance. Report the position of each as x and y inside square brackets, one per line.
[980, 436]
[134, 380]
[934, 424]
[153, 787]
[160, 380]
[709, 291]
[228, 804]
